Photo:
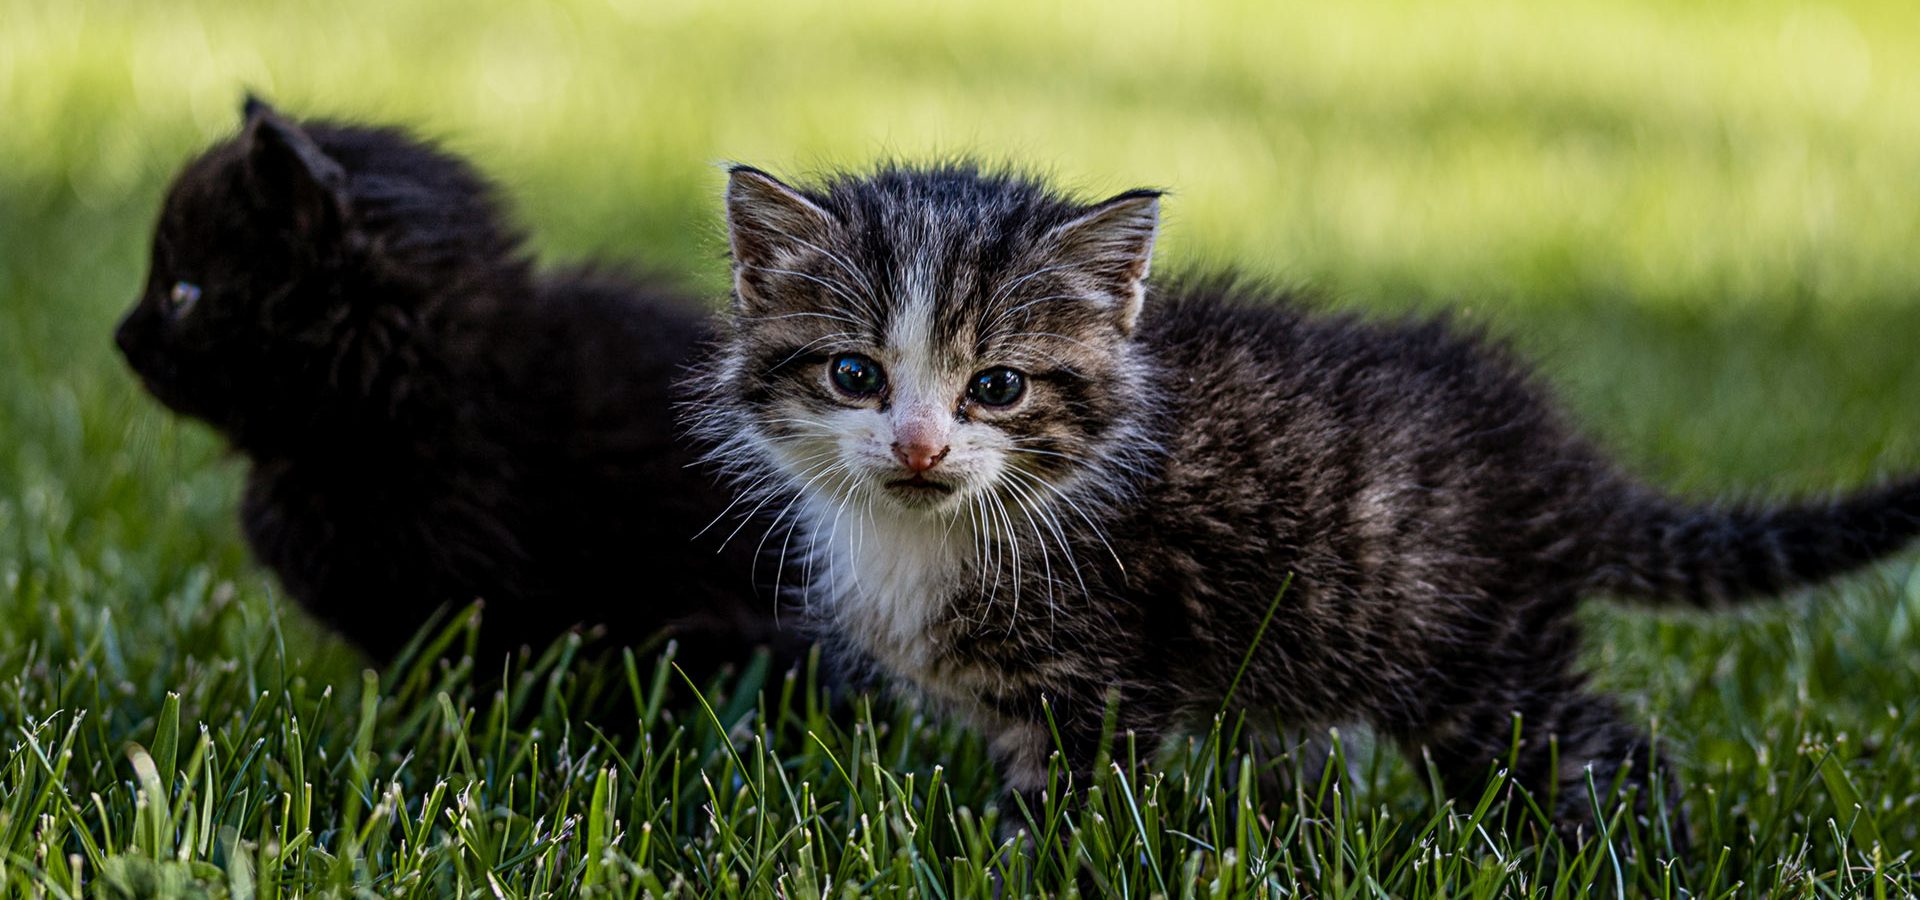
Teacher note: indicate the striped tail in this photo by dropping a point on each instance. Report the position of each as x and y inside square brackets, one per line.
[1663, 552]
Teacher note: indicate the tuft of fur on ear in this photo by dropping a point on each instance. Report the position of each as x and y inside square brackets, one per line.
[1112, 246]
[289, 173]
[769, 226]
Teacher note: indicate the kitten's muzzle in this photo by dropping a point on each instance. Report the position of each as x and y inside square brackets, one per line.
[134, 339]
[919, 486]
[124, 337]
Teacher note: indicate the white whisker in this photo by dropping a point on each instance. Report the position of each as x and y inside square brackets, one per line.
[1084, 517]
[811, 345]
[1009, 287]
[1029, 500]
[837, 289]
[1046, 557]
[756, 509]
[845, 266]
[806, 315]
[1004, 315]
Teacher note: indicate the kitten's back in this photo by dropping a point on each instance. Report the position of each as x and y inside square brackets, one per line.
[598, 355]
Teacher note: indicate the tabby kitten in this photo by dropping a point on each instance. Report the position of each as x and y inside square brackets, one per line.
[430, 419]
[1026, 482]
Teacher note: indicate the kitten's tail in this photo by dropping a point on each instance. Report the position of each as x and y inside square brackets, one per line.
[1705, 556]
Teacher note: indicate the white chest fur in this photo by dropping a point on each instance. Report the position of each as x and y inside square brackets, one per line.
[885, 578]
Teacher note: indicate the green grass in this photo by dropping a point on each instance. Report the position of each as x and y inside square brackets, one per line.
[1699, 217]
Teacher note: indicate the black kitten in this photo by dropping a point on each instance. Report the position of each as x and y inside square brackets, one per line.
[430, 420]
[1028, 483]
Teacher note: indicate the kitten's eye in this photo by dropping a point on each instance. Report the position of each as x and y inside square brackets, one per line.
[998, 386]
[856, 374]
[181, 299]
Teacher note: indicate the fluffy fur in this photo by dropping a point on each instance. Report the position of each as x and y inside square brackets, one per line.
[430, 419]
[1119, 531]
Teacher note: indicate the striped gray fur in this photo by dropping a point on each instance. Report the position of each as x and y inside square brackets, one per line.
[1182, 448]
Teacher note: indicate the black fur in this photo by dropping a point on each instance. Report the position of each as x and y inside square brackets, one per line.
[1122, 531]
[431, 420]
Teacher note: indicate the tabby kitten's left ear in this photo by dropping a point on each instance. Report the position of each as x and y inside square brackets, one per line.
[289, 173]
[769, 226]
[1111, 245]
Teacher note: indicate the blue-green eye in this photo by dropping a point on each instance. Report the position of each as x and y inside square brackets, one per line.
[181, 299]
[998, 386]
[856, 374]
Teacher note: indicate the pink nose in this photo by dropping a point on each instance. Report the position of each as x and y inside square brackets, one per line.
[918, 456]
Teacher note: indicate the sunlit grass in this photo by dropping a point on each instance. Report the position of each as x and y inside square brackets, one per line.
[1700, 218]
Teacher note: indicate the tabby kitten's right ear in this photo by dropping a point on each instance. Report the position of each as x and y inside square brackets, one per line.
[769, 226]
[288, 173]
[1112, 246]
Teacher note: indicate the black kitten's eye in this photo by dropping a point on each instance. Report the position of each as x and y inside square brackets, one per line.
[181, 299]
[856, 374]
[998, 386]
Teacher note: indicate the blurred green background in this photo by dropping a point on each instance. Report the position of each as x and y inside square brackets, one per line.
[1699, 217]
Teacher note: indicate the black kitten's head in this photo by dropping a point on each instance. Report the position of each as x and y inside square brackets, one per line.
[292, 260]
[938, 341]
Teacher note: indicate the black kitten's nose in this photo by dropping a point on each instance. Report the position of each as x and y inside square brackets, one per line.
[123, 335]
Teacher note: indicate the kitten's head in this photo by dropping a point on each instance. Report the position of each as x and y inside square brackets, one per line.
[931, 339]
[290, 261]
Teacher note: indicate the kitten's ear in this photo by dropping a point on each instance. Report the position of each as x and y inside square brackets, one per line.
[768, 225]
[253, 106]
[289, 173]
[1112, 245]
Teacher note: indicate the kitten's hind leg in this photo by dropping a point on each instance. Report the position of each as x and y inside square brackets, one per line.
[1553, 739]
[1036, 823]
[1048, 796]
[1301, 769]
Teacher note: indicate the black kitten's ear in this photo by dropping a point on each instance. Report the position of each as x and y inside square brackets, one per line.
[253, 107]
[768, 226]
[289, 173]
[1112, 245]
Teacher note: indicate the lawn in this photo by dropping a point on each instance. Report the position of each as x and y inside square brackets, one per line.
[1700, 218]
